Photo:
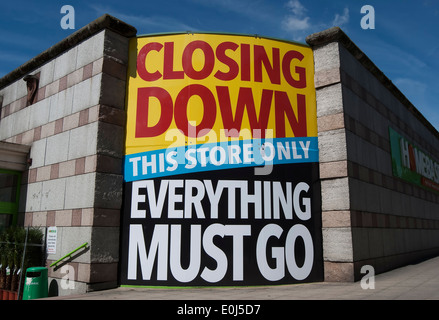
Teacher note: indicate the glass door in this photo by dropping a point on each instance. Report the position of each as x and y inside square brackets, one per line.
[9, 197]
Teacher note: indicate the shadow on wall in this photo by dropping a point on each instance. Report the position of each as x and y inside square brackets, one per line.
[53, 289]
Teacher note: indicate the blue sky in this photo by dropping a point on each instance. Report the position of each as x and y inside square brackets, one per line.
[404, 43]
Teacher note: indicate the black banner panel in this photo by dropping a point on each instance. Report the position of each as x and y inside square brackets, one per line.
[214, 228]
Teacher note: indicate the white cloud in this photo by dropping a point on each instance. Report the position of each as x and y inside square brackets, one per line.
[292, 23]
[296, 7]
[340, 20]
[296, 21]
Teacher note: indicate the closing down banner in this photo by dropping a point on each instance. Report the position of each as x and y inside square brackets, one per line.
[221, 163]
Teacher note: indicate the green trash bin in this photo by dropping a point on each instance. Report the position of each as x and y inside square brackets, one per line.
[35, 283]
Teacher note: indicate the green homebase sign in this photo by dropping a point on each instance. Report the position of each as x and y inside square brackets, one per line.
[411, 163]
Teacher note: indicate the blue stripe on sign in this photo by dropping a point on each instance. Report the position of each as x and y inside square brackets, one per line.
[218, 156]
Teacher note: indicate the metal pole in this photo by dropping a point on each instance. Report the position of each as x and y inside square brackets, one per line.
[44, 255]
[22, 264]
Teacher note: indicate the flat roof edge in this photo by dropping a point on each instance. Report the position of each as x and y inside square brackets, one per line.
[105, 21]
[219, 33]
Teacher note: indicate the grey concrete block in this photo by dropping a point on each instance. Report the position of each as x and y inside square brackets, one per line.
[326, 57]
[329, 100]
[53, 193]
[80, 191]
[353, 105]
[90, 50]
[399, 237]
[39, 113]
[22, 87]
[116, 46]
[335, 194]
[110, 140]
[61, 104]
[360, 243]
[46, 73]
[384, 161]
[358, 194]
[365, 196]
[112, 92]
[108, 191]
[373, 198]
[57, 148]
[411, 239]
[6, 128]
[385, 201]
[83, 141]
[86, 93]
[104, 245]
[376, 245]
[34, 195]
[365, 153]
[20, 121]
[332, 145]
[389, 242]
[337, 244]
[65, 63]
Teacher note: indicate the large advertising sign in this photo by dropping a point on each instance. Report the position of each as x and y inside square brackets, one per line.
[221, 163]
[413, 164]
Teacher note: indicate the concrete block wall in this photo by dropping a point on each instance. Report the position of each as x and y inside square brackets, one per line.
[76, 132]
[369, 216]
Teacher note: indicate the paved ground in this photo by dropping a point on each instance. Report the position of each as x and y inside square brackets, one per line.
[413, 282]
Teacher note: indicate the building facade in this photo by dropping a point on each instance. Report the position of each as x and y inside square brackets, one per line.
[370, 215]
[62, 136]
